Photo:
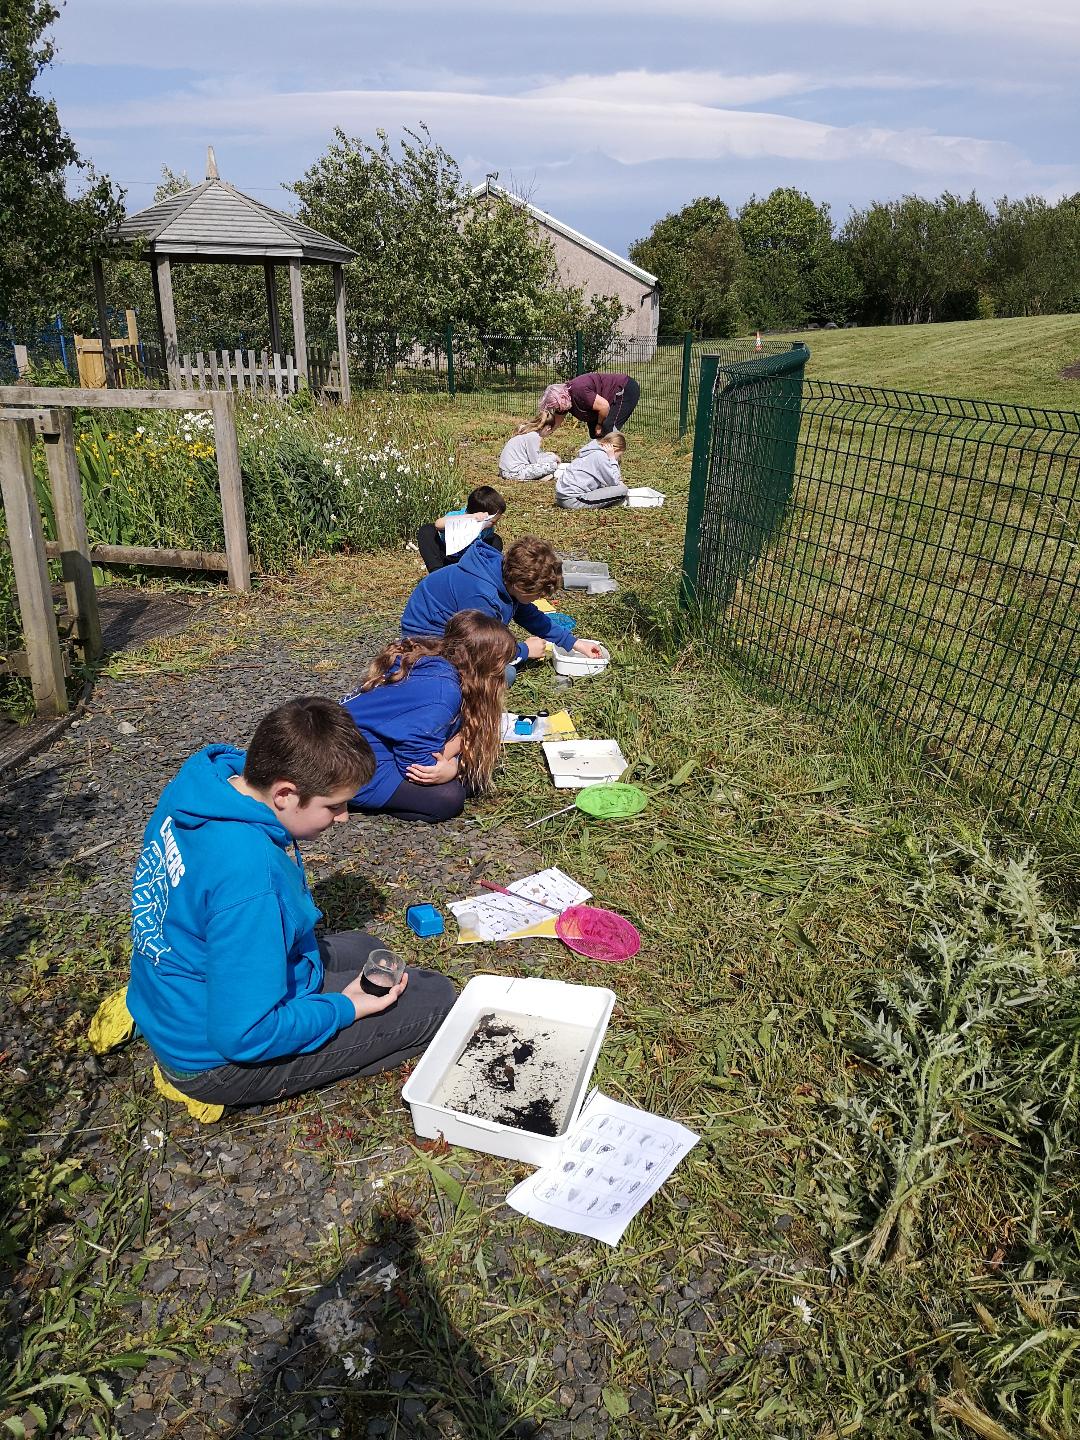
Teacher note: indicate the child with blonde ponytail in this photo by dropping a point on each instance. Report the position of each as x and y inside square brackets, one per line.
[431, 707]
[522, 457]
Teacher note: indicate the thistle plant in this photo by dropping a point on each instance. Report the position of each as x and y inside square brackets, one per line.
[949, 1050]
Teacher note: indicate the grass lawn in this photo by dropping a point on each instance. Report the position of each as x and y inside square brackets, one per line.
[1018, 361]
[855, 985]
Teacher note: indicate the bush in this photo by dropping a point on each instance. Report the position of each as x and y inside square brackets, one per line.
[315, 480]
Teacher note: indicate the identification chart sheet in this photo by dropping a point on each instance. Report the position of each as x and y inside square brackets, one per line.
[461, 531]
[492, 916]
[613, 1161]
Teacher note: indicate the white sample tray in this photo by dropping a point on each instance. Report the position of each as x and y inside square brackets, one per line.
[581, 1005]
[644, 497]
[577, 763]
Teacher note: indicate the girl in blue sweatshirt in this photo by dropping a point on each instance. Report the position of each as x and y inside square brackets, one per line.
[239, 999]
[431, 710]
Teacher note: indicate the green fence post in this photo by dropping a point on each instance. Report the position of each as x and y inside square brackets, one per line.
[450, 361]
[699, 478]
[684, 389]
[579, 349]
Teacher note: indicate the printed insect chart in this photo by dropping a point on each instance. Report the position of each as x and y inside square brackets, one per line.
[613, 1160]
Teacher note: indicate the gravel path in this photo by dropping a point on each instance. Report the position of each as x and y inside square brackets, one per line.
[269, 1204]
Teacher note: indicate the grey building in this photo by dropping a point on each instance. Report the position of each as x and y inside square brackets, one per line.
[595, 269]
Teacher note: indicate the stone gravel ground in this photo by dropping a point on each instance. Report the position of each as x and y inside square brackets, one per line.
[304, 1268]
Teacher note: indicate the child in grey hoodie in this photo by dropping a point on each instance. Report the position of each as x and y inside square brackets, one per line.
[593, 478]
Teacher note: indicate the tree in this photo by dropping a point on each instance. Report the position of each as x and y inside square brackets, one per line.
[697, 256]
[791, 262]
[1034, 256]
[45, 234]
[401, 214]
[507, 274]
[920, 260]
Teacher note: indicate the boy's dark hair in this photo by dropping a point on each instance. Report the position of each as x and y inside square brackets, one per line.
[314, 744]
[532, 568]
[485, 499]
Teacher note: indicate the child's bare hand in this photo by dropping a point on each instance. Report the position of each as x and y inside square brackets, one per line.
[438, 773]
[365, 1004]
[536, 647]
[589, 648]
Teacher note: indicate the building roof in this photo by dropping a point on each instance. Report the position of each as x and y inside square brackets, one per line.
[215, 220]
[489, 187]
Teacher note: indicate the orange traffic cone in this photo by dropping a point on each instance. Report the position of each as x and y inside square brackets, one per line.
[757, 342]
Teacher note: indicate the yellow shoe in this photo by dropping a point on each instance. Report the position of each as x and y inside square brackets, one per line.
[206, 1114]
[111, 1025]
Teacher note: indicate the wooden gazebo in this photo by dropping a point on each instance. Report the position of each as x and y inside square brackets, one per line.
[214, 223]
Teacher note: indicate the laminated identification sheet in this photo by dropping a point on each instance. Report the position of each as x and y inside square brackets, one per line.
[461, 531]
[492, 916]
[547, 727]
[613, 1160]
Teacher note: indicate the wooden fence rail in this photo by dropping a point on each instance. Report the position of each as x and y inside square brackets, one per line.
[26, 408]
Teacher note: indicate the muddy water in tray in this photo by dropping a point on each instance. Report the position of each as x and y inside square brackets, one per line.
[518, 1071]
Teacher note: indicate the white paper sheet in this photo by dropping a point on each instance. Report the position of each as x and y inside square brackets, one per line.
[613, 1161]
[493, 916]
[461, 531]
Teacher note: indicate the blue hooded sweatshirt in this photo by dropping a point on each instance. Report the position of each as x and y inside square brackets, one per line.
[405, 722]
[476, 583]
[225, 966]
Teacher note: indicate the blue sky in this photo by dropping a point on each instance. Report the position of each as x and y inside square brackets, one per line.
[608, 113]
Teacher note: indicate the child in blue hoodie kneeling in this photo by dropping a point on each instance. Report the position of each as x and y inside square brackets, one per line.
[237, 997]
[503, 586]
[431, 710]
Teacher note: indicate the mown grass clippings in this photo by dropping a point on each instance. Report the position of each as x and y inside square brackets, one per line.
[771, 876]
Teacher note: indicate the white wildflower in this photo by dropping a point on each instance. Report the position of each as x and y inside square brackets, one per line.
[802, 1308]
[153, 1139]
[355, 1368]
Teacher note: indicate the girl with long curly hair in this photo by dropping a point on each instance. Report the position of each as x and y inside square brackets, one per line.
[430, 707]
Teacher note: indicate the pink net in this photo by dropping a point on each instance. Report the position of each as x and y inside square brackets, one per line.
[598, 934]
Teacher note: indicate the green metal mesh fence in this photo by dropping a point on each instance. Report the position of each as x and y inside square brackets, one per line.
[916, 553]
[508, 373]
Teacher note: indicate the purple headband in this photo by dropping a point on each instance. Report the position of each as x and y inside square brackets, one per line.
[556, 397]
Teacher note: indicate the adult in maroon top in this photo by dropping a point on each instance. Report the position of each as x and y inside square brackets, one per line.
[600, 400]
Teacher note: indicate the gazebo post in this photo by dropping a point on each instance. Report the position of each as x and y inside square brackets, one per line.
[296, 296]
[163, 275]
[111, 379]
[272, 307]
[345, 392]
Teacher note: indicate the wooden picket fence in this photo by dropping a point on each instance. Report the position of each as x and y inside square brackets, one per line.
[263, 370]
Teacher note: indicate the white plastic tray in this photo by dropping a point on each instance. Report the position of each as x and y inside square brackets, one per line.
[644, 497]
[544, 999]
[572, 662]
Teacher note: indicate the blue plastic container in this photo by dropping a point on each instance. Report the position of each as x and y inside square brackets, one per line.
[566, 621]
[424, 920]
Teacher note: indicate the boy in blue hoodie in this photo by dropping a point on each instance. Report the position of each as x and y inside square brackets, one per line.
[504, 586]
[238, 999]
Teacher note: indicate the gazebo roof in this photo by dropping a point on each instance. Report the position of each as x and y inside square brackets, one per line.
[215, 221]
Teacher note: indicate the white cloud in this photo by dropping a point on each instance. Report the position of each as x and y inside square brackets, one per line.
[628, 130]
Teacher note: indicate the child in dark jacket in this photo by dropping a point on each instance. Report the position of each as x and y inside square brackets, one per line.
[593, 478]
[238, 999]
[431, 711]
[431, 539]
[505, 587]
